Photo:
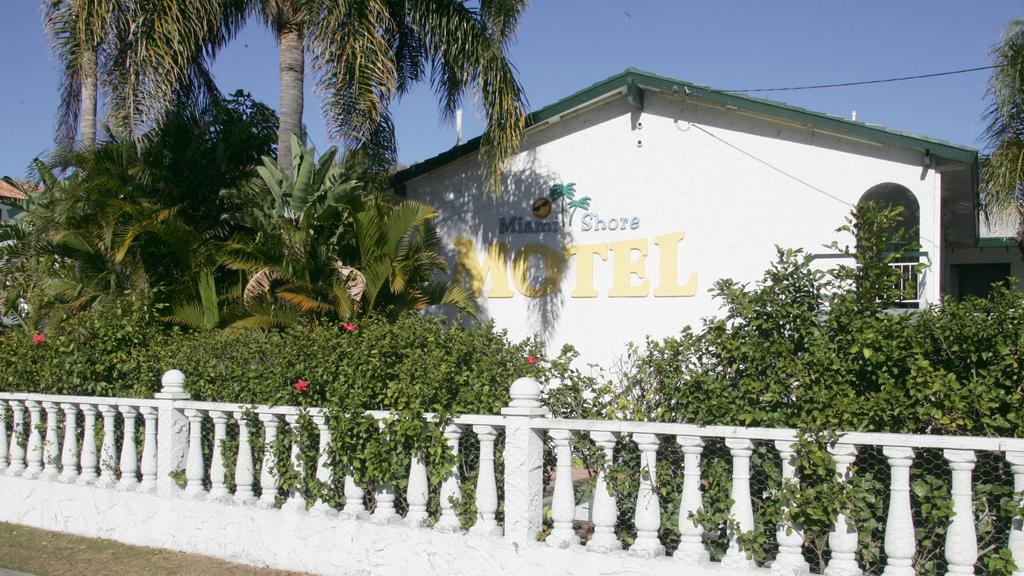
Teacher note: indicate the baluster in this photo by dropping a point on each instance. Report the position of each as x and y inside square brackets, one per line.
[647, 517]
[842, 540]
[450, 494]
[35, 441]
[4, 446]
[741, 512]
[218, 489]
[691, 548]
[355, 507]
[194, 465]
[790, 559]
[51, 460]
[323, 470]
[899, 524]
[269, 483]
[563, 502]
[961, 538]
[1016, 541]
[89, 460]
[243, 464]
[69, 451]
[418, 493]
[296, 494]
[108, 449]
[384, 512]
[605, 510]
[16, 464]
[486, 487]
[129, 455]
[149, 455]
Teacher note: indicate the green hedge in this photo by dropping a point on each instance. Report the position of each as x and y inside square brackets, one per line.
[416, 363]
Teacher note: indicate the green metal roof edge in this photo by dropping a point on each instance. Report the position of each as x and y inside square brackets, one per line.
[997, 242]
[661, 83]
[847, 255]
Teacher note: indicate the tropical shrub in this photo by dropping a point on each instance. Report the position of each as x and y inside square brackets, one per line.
[314, 245]
[131, 221]
[190, 222]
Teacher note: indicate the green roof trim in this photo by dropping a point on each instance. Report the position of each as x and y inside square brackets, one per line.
[632, 82]
[997, 242]
[850, 255]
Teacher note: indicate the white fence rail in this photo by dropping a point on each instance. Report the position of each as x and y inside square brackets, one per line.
[171, 440]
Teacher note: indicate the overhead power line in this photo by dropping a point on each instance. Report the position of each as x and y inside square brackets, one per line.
[865, 82]
[768, 164]
[776, 168]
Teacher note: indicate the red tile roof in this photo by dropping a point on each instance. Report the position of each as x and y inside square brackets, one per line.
[8, 191]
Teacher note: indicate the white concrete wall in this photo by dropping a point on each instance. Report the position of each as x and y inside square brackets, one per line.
[673, 177]
[300, 541]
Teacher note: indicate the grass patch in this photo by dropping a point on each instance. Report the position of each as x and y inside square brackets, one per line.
[46, 553]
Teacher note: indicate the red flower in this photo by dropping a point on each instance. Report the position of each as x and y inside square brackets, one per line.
[531, 359]
[301, 385]
[39, 338]
[349, 327]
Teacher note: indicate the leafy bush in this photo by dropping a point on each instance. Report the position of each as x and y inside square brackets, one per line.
[824, 352]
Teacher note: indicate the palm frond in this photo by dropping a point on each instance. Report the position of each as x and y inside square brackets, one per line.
[259, 284]
[1002, 171]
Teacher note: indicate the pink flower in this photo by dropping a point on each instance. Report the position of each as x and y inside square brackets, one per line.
[39, 338]
[301, 385]
[531, 359]
[349, 327]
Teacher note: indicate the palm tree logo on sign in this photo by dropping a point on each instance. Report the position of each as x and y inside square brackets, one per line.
[565, 196]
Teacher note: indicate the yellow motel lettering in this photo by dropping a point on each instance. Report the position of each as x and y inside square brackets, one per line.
[625, 260]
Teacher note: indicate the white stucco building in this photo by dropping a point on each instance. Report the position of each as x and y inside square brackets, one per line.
[686, 185]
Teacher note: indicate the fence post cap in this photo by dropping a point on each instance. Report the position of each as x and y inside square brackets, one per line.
[525, 395]
[172, 385]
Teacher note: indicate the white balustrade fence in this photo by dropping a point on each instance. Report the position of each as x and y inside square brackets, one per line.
[145, 448]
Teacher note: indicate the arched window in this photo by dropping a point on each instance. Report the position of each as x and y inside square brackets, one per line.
[907, 229]
[889, 195]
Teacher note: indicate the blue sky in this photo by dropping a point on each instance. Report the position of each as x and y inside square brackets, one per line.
[565, 45]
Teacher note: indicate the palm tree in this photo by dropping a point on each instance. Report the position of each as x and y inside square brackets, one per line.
[1002, 174]
[149, 55]
[367, 54]
[364, 55]
[78, 30]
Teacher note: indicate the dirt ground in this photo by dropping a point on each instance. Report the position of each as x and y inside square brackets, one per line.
[44, 553]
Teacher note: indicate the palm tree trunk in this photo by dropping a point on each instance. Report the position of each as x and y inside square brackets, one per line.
[90, 85]
[290, 40]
